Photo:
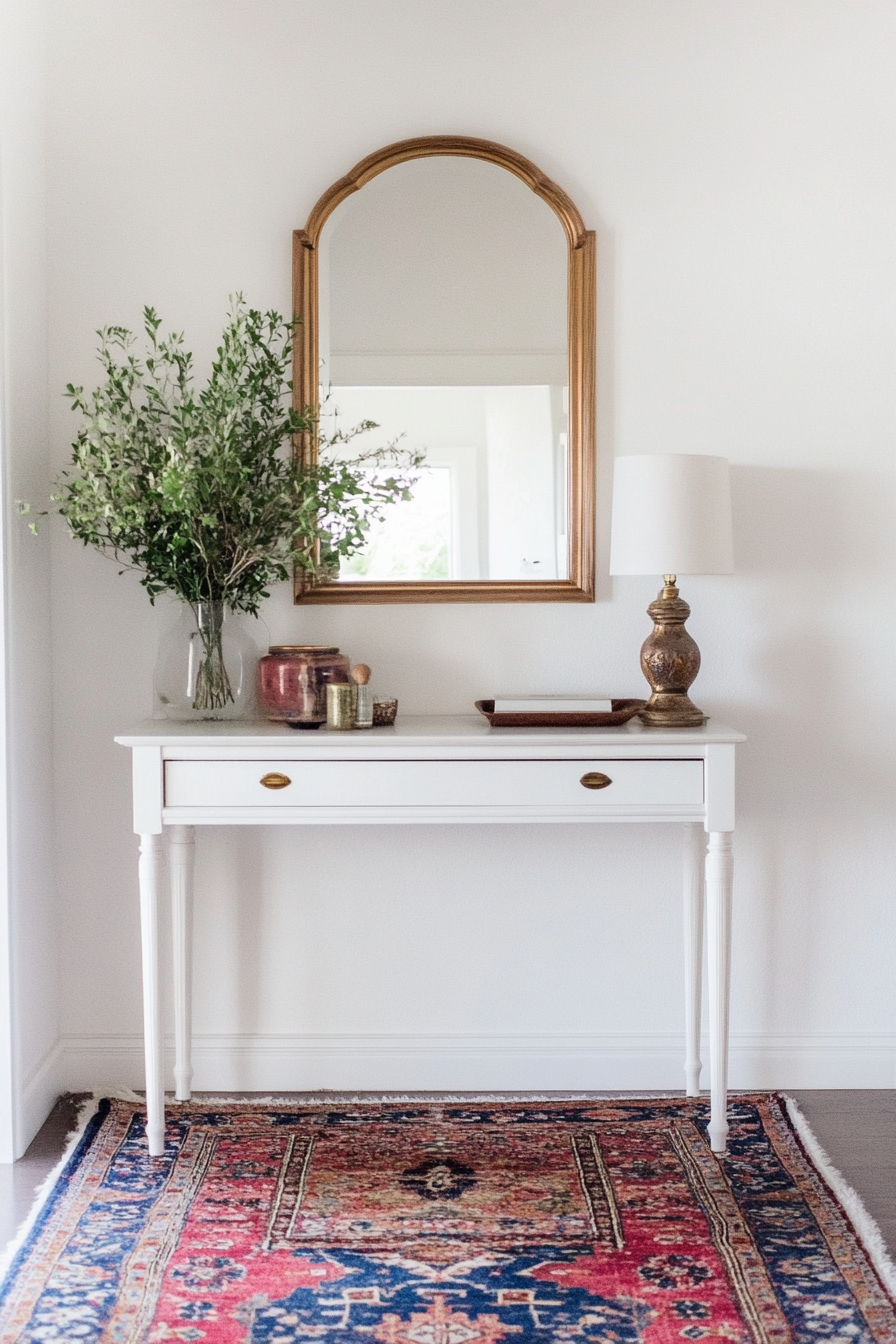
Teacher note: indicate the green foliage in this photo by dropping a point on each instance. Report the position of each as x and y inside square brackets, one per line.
[200, 492]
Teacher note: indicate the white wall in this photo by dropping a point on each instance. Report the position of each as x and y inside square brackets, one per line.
[736, 162]
[29, 1081]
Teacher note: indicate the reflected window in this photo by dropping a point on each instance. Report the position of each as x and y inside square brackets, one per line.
[500, 455]
[413, 539]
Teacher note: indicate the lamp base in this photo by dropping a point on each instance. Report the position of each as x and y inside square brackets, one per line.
[671, 709]
[670, 660]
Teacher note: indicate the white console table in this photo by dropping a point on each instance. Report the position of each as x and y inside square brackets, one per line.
[451, 769]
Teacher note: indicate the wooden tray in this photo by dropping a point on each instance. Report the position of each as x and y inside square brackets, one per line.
[622, 711]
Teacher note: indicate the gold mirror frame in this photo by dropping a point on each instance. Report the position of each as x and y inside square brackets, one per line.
[579, 587]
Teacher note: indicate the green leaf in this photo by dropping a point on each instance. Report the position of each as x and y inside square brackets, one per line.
[198, 490]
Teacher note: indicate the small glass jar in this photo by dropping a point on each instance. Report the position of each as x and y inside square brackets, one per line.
[292, 682]
[364, 707]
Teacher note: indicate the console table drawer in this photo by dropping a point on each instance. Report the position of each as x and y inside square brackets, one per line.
[329, 784]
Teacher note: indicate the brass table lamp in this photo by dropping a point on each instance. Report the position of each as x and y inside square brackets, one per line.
[671, 515]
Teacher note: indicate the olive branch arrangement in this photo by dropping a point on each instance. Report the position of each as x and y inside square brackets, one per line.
[200, 492]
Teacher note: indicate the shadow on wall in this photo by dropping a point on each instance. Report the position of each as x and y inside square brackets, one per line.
[815, 566]
[816, 784]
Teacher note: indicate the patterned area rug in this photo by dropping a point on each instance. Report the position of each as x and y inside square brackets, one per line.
[466, 1222]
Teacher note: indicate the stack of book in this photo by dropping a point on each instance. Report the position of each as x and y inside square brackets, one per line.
[553, 704]
[558, 711]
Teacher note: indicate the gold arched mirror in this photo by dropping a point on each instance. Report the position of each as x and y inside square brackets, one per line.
[446, 290]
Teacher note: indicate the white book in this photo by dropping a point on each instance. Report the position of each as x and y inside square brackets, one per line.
[553, 704]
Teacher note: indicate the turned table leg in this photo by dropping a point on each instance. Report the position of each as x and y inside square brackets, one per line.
[694, 883]
[150, 871]
[719, 878]
[181, 854]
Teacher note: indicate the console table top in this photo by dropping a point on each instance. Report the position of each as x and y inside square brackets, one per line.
[456, 730]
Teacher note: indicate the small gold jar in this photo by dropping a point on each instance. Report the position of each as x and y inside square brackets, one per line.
[342, 706]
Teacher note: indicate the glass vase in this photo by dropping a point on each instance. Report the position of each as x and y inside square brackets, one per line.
[206, 665]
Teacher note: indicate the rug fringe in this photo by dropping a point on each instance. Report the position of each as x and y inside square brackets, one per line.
[869, 1233]
[326, 1095]
[42, 1192]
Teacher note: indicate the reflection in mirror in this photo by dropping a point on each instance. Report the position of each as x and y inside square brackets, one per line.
[490, 501]
[445, 290]
[443, 318]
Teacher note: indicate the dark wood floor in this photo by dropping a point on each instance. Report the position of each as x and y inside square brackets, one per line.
[856, 1129]
[19, 1180]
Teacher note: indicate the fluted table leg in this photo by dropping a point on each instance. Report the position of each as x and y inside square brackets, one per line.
[719, 879]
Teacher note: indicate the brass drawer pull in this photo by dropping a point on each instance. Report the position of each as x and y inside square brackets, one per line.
[276, 781]
[595, 780]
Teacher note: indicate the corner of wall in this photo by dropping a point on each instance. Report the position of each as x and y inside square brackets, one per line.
[29, 1050]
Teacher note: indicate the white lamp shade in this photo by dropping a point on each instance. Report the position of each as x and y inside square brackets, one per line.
[671, 515]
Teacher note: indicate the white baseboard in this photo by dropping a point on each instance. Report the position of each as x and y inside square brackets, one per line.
[272, 1063]
[41, 1087]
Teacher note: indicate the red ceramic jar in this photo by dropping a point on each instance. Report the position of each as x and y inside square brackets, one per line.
[292, 682]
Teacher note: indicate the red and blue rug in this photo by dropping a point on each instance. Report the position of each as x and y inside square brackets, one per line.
[469, 1222]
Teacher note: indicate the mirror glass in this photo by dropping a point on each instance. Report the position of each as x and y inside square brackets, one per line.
[442, 290]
